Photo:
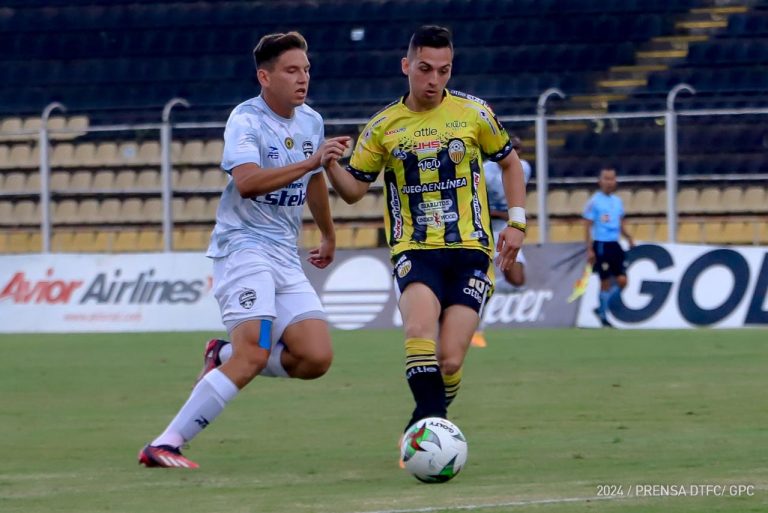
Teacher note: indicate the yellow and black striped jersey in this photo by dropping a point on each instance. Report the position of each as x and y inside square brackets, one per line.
[433, 175]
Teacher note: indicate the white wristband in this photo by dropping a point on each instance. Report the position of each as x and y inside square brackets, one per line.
[517, 214]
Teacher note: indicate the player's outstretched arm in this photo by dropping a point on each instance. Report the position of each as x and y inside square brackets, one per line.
[511, 237]
[319, 206]
[349, 188]
[588, 237]
[253, 180]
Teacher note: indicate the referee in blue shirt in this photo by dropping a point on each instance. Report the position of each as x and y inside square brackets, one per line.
[604, 220]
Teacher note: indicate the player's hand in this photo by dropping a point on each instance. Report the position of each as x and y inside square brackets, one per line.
[510, 242]
[323, 256]
[333, 149]
[591, 256]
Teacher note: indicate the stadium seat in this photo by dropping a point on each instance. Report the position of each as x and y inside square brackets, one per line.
[709, 200]
[65, 212]
[755, 199]
[125, 180]
[557, 202]
[310, 237]
[688, 200]
[103, 181]
[344, 237]
[366, 237]
[689, 231]
[148, 180]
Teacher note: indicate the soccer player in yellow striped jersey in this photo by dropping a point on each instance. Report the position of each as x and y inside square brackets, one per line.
[431, 144]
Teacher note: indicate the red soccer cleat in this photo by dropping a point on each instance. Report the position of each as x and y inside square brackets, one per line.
[211, 358]
[164, 456]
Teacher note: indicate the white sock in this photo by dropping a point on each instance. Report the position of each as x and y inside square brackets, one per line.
[226, 352]
[206, 401]
[274, 368]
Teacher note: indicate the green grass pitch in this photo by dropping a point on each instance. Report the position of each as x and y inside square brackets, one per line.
[554, 418]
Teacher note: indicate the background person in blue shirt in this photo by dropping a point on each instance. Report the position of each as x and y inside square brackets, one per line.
[604, 220]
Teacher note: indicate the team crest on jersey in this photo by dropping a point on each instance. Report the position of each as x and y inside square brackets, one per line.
[456, 150]
[403, 267]
[289, 143]
[307, 148]
[247, 298]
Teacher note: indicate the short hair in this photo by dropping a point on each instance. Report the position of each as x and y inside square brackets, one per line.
[272, 46]
[431, 36]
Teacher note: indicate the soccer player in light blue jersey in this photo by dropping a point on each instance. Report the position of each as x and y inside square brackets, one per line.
[274, 150]
[604, 220]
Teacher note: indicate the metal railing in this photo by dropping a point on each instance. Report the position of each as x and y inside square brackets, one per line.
[541, 120]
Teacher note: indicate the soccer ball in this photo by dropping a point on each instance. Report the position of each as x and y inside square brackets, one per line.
[434, 450]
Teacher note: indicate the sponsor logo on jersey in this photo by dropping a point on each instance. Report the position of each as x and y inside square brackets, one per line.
[428, 206]
[456, 124]
[399, 154]
[437, 218]
[429, 164]
[445, 185]
[247, 298]
[394, 208]
[395, 131]
[283, 198]
[456, 150]
[289, 143]
[426, 146]
[307, 148]
[425, 132]
[273, 154]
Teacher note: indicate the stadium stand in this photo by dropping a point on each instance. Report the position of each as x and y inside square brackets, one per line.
[119, 62]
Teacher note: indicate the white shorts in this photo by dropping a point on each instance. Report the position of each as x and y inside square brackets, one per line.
[251, 287]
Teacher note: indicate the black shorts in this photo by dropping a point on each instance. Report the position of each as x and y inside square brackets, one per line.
[456, 276]
[609, 259]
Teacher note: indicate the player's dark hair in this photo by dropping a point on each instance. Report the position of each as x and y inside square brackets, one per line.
[272, 46]
[431, 36]
[607, 167]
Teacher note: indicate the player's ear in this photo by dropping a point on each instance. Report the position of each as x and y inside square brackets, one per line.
[262, 75]
[404, 64]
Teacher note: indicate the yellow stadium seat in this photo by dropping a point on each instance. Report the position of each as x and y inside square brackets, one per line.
[125, 180]
[61, 241]
[755, 199]
[88, 211]
[740, 232]
[531, 203]
[714, 232]
[733, 199]
[344, 237]
[150, 240]
[4, 242]
[366, 237]
[148, 180]
[127, 241]
[761, 229]
[576, 201]
[557, 202]
[688, 231]
[103, 181]
[310, 236]
[710, 199]
[643, 202]
[688, 200]
[83, 241]
[103, 241]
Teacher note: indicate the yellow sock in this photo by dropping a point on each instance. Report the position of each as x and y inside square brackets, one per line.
[452, 385]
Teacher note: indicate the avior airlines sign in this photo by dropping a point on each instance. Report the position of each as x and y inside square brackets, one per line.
[142, 292]
[681, 286]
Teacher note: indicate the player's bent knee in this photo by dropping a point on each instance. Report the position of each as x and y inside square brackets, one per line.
[449, 366]
[417, 329]
[316, 366]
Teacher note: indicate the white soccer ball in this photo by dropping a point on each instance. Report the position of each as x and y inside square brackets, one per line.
[434, 450]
